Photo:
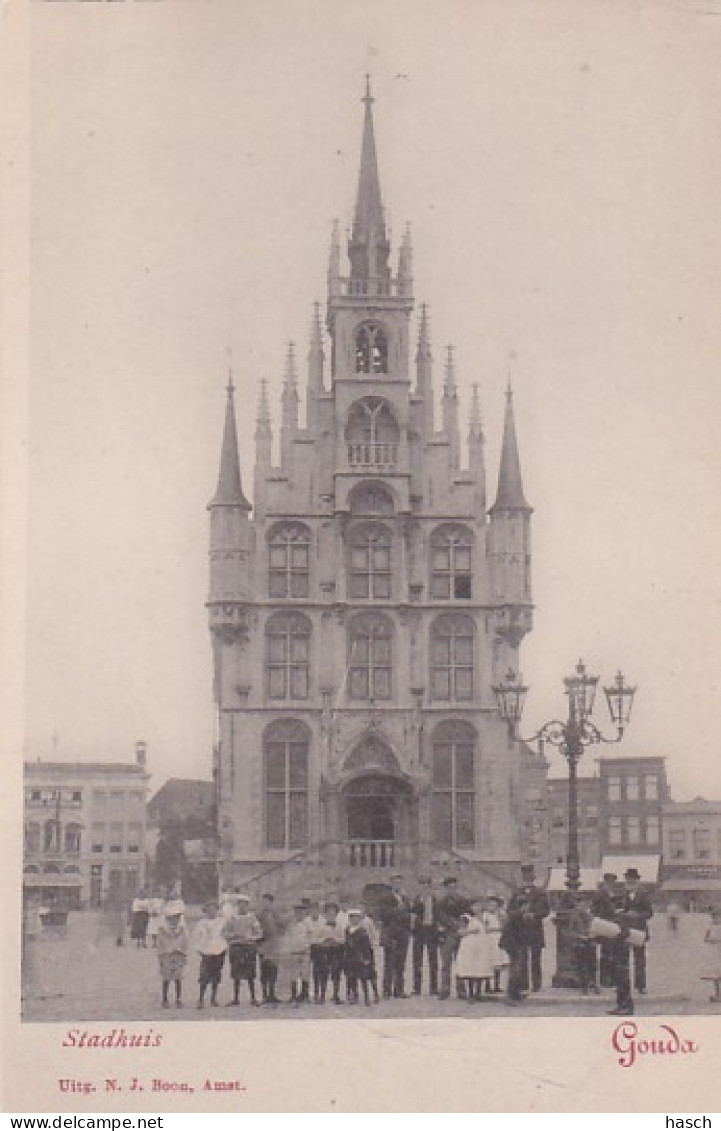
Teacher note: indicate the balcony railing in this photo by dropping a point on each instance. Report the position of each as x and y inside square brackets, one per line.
[378, 456]
[371, 853]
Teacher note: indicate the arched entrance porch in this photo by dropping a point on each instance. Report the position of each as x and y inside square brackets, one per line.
[380, 820]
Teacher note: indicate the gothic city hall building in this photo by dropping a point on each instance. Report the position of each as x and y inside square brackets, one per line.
[365, 603]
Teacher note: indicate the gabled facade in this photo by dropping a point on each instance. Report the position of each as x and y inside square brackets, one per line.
[362, 613]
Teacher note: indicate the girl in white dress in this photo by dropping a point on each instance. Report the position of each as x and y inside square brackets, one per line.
[474, 962]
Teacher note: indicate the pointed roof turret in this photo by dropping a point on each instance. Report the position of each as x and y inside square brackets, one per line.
[368, 247]
[510, 494]
[229, 492]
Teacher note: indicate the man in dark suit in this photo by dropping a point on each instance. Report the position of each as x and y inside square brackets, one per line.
[395, 935]
[533, 902]
[425, 935]
[449, 910]
[639, 910]
[602, 907]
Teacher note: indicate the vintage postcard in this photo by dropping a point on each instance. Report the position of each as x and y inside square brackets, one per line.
[361, 542]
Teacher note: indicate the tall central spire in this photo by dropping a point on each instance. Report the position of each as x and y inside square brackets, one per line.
[368, 248]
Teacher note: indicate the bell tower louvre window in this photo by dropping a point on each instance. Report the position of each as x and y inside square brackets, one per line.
[371, 349]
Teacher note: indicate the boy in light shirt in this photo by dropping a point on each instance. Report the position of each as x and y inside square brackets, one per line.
[211, 945]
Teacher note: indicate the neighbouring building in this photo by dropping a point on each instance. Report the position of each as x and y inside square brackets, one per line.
[84, 829]
[363, 612]
[589, 833]
[633, 793]
[692, 852]
[182, 838]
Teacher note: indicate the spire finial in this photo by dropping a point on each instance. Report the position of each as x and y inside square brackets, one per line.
[230, 386]
[450, 382]
[475, 414]
[510, 494]
[263, 405]
[368, 97]
[229, 491]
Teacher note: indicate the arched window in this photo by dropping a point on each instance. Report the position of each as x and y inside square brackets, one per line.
[371, 498]
[372, 434]
[285, 748]
[370, 562]
[73, 833]
[454, 798]
[371, 349]
[289, 556]
[287, 656]
[451, 562]
[452, 647]
[32, 837]
[370, 658]
[51, 836]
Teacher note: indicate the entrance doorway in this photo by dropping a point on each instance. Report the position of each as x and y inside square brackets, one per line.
[378, 812]
[371, 818]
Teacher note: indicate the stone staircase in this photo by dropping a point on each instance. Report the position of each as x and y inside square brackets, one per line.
[332, 870]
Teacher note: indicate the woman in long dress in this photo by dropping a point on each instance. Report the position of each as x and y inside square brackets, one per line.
[476, 953]
[139, 918]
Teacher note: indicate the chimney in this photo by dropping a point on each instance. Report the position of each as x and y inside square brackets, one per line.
[141, 753]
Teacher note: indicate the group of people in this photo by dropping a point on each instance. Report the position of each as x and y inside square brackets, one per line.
[609, 931]
[326, 951]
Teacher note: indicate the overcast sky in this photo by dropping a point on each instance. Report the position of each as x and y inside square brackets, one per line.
[560, 165]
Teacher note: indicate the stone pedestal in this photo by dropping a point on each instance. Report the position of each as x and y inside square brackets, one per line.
[567, 975]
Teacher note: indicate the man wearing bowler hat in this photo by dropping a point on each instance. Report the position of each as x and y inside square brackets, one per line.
[532, 901]
[395, 935]
[449, 910]
[602, 907]
[425, 935]
[639, 910]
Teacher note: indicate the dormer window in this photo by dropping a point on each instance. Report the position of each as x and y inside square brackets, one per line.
[371, 349]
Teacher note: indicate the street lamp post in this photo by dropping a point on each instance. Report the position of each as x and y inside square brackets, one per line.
[571, 737]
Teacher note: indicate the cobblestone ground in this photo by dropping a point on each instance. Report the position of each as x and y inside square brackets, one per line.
[81, 975]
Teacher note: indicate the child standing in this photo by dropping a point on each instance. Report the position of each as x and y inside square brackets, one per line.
[712, 945]
[243, 933]
[334, 951]
[172, 950]
[474, 963]
[156, 907]
[210, 943]
[359, 957]
[295, 954]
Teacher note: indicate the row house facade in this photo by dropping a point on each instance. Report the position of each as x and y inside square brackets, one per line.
[84, 830]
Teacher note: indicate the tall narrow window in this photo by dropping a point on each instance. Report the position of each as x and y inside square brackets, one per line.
[452, 658]
[370, 562]
[652, 830]
[72, 838]
[286, 785]
[451, 561]
[370, 658]
[289, 559]
[32, 837]
[614, 788]
[634, 830]
[288, 656]
[51, 836]
[614, 830]
[453, 805]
